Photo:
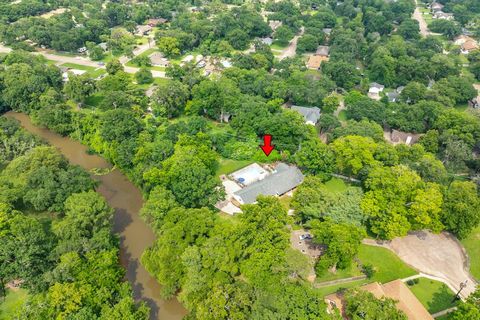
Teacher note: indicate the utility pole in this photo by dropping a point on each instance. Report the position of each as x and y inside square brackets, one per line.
[463, 285]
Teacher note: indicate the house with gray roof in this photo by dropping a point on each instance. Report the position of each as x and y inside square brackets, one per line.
[310, 114]
[284, 179]
[323, 51]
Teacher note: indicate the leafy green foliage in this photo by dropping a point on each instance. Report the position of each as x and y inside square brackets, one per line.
[398, 201]
[362, 304]
[461, 208]
[313, 200]
[342, 242]
[42, 179]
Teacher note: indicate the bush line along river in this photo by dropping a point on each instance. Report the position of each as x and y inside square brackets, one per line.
[126, 199]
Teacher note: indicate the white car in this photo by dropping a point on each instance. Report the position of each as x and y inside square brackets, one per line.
[305, 236]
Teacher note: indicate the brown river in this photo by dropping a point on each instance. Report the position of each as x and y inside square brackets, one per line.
[126, 199]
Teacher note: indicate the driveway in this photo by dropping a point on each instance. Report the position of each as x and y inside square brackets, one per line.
[417, 15]
[438, 255]
[291, 50]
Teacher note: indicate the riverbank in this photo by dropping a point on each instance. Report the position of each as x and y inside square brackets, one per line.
[122, 195]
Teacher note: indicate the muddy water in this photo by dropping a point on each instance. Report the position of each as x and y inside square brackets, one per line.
[127, 200]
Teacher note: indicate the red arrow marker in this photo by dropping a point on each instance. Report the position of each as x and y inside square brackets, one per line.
[267, 147]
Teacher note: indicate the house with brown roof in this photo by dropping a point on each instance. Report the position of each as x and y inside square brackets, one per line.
[155, 22]
[143, 30]
[315, 61]
[469, 46]
[396, 290]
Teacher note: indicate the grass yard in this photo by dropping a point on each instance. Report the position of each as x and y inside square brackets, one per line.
[78, 66]
[12, 303]
[471, 243]
[227, 166]
[342, 115]
[336, 185]
[94, 100]
[352, 271]
[387, 265]
[276, 46]
[434, 295]
[285, 201]
[159, 81]
[331, 289]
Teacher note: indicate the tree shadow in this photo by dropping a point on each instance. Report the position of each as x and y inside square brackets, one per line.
[121, 219]
[442, 299]
[131, 272]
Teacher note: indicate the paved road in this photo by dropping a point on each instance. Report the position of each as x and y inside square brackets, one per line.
[291, 50]
[438, 255]
[417, 15]
[84, 61]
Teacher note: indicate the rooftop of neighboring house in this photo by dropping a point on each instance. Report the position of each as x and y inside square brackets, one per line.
[158, 59]
[376, 87]
[327, 31]
[310, 114]
[142, 29]
[443, 15]
[274, 24]
[436, 6]
[156, 21]
[267, 40]
[461, 39]
[315, 61]
[282, 180]
[470, 45]
[323, 51]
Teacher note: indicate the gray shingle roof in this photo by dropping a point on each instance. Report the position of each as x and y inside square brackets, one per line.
[323, 51]
[311, 114]
[285, 179]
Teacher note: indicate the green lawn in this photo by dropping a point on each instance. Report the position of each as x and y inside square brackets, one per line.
[336, 185]
[434, 295]
[78, 66]
[12, 303]
[276, 46]
[227, 166]
[387, 265]
[352, 271]
[342, 115]
[159, 81]
[331, 289]
[94, 100]
[285, 201]
[472, 244]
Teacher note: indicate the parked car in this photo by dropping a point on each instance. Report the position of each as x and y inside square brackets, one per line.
[305, 236]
